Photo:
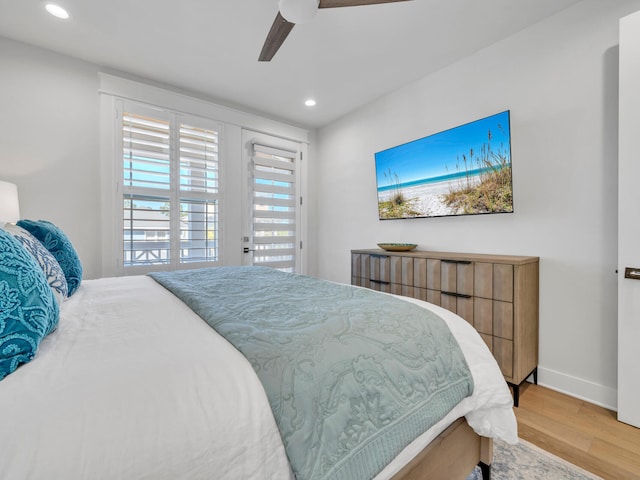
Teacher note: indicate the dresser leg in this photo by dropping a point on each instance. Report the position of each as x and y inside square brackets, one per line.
[516, 387]
[486, 471]
[516, 393]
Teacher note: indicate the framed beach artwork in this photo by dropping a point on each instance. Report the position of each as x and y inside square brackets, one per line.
[465, 170]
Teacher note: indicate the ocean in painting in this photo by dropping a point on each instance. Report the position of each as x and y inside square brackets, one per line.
[432, 180]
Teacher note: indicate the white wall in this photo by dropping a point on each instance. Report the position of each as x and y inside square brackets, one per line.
[559, 79]
[49, 142]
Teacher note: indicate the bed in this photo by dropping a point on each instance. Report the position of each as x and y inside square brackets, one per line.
[133, 384]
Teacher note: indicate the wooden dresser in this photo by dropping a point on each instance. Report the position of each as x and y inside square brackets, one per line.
[497, 294]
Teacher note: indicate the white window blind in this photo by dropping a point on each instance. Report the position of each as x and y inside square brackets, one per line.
[274, 201]
[199, 207]
[170, 191]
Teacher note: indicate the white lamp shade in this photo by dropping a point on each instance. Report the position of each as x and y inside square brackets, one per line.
[298, 11]
[9, 206]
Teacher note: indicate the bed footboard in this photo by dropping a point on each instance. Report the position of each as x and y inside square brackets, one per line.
[452, 455]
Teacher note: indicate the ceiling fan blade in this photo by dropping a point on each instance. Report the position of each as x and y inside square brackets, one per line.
[353, 3]
[275, 38]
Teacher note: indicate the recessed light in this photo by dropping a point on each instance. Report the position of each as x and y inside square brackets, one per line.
[310, 103]
[57, 11]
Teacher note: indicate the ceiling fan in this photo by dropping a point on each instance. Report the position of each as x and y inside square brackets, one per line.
[301, 11]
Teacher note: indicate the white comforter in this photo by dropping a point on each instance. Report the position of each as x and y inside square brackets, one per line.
[134, 385]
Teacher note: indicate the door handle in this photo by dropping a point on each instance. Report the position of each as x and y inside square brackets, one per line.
[247, 250]
[633, 273]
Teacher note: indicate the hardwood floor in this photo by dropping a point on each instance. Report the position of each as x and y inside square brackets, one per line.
[582, 433]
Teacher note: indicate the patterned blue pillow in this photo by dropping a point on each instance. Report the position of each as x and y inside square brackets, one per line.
[49, 265]
[59, 245]
[28, 310]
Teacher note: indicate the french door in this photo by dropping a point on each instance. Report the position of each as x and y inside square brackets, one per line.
[272, 224]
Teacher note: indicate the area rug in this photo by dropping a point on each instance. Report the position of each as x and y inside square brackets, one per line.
[525, 461]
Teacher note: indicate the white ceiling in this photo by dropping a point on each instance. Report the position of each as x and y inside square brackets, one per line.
[344, 58]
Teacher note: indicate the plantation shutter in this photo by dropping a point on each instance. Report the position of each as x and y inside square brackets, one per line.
[274, 202]
[146, 190]
[198, 195]
[170, 191]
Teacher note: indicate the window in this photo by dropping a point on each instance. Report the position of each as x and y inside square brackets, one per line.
[170, 190]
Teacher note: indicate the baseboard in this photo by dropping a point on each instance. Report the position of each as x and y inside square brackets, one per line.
[591, 392]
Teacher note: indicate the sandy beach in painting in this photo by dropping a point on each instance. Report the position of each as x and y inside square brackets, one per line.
[427, 198]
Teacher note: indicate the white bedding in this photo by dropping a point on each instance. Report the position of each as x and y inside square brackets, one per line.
[134, 385]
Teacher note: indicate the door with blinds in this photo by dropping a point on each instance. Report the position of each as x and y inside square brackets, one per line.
[273, 202]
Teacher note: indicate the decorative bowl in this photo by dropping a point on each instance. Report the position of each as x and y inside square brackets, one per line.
[397, 247]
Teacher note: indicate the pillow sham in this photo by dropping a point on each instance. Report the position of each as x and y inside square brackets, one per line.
[61, 248]
[49, 265]
[28, 309]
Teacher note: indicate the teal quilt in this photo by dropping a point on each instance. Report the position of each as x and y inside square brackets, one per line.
[352, 375]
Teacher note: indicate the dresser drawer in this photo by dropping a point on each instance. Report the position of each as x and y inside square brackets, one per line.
[380, 268]
[360, 266]
[456, 277]
[401, 270]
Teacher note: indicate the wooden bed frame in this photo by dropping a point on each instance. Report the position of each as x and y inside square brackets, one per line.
[451, 455]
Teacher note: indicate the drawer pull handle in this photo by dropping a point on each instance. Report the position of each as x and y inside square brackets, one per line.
[460, 295]
[377, 255]
[381, 282]
[462, 262]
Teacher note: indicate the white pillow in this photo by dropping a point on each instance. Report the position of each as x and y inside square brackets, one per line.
[50, 266]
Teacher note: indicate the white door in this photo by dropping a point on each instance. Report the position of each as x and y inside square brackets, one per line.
[629, 223]
[272, 224]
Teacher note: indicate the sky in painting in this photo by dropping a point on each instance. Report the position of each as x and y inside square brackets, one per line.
[438, 154]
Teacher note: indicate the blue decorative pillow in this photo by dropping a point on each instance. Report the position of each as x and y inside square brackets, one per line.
[28, 309]
[49, 265]
[59, 245]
